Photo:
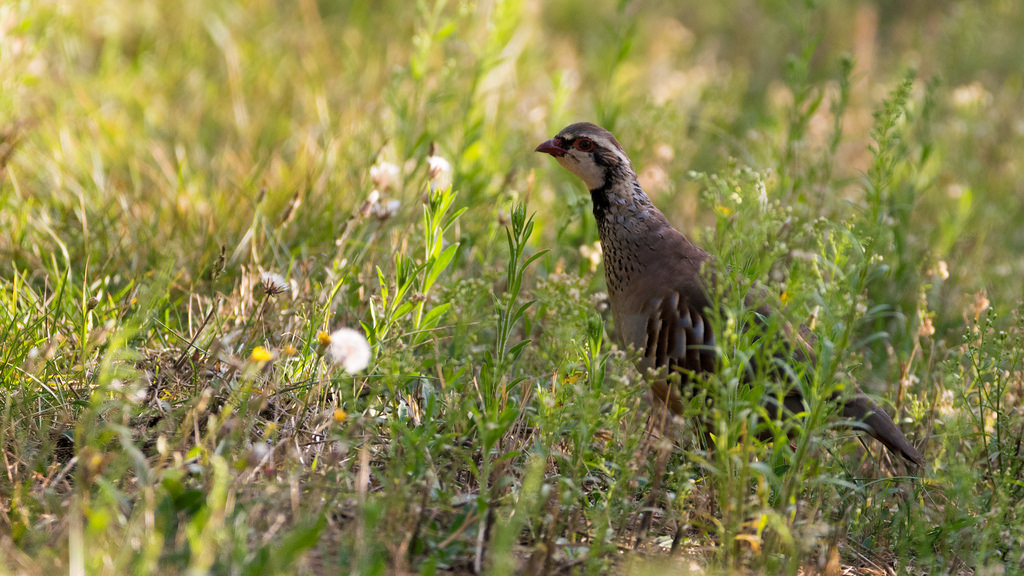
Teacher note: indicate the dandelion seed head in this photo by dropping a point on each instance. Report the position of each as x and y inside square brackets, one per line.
[258, 451]
[438, 167]
[439, 171]
[273, 283]
[349, 349]
[384, 175]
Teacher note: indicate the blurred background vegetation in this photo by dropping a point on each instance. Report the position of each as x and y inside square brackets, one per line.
[159, 159]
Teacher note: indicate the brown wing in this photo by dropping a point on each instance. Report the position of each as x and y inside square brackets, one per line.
[671, 334]
[678, 336]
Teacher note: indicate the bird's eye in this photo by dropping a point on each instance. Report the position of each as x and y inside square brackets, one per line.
[584, 144]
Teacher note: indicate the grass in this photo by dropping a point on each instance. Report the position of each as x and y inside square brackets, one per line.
[168, 406]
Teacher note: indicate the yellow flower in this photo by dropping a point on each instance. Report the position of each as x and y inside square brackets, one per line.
[723, 210]
[340, 415]
[323, 338]
[290, 350]
[261, 355]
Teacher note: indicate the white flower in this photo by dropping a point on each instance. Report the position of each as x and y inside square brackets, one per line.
[804, 255]
[375, 204]
[370, 203]
[273, 283]
[384, 175]
[385, 210]
[439, 171]
[349, 349]
[592, 254]
[971, 96]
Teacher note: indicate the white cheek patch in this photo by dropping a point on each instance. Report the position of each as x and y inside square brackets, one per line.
[583, 166]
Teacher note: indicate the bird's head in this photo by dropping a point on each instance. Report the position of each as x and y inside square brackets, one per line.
[591, 153]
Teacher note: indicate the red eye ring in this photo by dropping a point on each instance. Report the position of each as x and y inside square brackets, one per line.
[584, 144]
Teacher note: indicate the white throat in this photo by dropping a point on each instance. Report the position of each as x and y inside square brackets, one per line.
[584, 167]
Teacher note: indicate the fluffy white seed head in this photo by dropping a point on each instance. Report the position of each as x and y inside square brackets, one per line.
[439, 171]
[274, 283]
[349, 349]
[384, 175]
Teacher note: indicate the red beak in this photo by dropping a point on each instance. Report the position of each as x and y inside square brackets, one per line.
[549, 147]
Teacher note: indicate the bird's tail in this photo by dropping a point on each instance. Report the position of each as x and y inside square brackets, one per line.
[878, 424]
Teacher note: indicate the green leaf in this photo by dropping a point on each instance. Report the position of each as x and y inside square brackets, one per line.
[439, 265]
[431, 318]
[515, 351]
[402, 310]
